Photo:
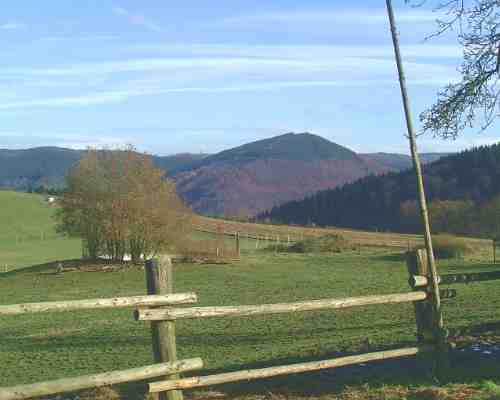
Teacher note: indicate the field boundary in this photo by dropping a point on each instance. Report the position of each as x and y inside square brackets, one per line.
[287, 233]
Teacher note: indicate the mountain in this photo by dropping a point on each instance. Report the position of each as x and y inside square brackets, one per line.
[24, 169]
[30, 168]
[376, 202]
[177, 162]
[256, 176]
[241, 181]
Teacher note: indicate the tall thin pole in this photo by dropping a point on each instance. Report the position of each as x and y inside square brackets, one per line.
[418, 170]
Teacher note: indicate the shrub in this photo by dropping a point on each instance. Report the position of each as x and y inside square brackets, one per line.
[449, 246]
[323, 244]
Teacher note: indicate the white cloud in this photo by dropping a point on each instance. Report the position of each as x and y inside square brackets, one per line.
[12, 26]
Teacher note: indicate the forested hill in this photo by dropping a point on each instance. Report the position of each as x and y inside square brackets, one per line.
[47, 166]
[377, 202]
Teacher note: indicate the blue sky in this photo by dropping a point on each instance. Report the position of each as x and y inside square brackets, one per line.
[203, 76]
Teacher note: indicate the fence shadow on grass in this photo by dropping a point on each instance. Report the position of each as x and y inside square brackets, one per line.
[479, 267]
[466, 368]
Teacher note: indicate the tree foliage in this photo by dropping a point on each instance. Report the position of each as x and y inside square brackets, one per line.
[459, 187]
[476, 96]
[119, 204]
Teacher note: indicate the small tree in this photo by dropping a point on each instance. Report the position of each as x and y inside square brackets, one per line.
[119, 203]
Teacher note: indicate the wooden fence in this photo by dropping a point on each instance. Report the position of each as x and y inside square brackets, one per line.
[160, 308]
[159, 285]
[290, 234]
[431, 339]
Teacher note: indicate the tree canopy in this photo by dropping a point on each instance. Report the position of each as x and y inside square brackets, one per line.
[119, 204]
[474, 99]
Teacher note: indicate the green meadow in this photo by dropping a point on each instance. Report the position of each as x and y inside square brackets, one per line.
[54, 345]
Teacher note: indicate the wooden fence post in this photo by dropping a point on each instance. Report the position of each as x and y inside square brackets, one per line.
[494, 251]
[417, 265]
[237, 237]
[159, 280]
[428, 331]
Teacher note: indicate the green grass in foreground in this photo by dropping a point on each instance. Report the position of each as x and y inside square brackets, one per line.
[48, 346]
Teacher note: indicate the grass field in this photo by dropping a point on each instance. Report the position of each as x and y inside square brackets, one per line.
[49, 346]
[27, 232]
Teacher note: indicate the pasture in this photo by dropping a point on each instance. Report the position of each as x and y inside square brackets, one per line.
[48, 346]
[27, 232]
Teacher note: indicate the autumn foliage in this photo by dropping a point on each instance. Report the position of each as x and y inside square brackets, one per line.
[119, 203]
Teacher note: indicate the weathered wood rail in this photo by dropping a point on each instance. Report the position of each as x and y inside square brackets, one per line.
[252, 374]
[159, 284]
[93, 304]
[172, 314]
[105, 379]
[448, 279]
[167, 314]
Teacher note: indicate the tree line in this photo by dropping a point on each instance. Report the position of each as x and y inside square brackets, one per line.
[463, 191]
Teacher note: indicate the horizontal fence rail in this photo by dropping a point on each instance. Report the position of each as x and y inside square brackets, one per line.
[282, 370]
[420, 280]
[240, 311]
[90, 304]
[22, 392]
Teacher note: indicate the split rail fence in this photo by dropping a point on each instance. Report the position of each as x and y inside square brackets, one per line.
[160, 308]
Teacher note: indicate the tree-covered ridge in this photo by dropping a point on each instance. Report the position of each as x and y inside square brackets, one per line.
[380, 202]
[290, 146]
[30, 169]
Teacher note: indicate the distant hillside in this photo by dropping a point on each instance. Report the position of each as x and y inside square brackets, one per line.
[256, 176]
[374, 202]
[30, 168]
[241, 181]
[24, 169]
[171, 164]
[400, 162]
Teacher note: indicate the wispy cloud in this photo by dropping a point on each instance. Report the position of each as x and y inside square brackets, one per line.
[11, 26]
[360, 16]
[136, 19]
[309, 51]
[256, 62]
[225, 69]
[120, 96]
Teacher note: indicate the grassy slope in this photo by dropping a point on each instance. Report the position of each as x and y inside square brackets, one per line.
[39, 347]
[53, 345]
[27, 232]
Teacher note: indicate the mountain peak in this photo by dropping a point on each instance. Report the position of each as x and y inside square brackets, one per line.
[289, 146]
